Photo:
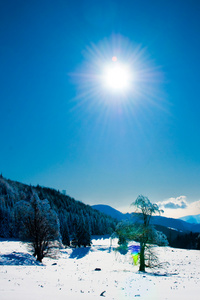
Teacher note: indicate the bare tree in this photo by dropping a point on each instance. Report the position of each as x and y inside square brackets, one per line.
[142, 231]
[145, 233]
[39, 225]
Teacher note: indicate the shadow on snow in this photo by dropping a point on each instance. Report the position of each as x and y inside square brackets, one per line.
[79, 252]
[18, 259]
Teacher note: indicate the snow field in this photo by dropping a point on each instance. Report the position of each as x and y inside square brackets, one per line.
[72, 275]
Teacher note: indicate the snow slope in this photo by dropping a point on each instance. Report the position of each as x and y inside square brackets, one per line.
[72, 275]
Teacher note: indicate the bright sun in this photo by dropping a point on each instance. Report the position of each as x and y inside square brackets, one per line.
[117, 76]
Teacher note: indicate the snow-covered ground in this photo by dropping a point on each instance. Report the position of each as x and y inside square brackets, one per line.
[73, 276]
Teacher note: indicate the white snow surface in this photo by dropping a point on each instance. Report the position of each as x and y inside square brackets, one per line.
[72, 274]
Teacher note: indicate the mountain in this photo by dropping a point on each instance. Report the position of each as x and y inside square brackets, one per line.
[171, 223]
[194, 219]
[71, 213]
[177, 224]
[180, 234]
[108, 210]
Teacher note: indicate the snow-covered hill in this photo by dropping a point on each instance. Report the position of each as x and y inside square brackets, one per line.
[73, 276]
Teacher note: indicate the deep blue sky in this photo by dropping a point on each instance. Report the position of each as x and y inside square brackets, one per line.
[54, 136]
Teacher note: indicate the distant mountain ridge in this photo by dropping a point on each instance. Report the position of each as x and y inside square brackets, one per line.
[106, 209]
[177, 224]
[194, 219]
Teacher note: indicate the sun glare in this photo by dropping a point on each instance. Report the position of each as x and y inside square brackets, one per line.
[117, 76]
[117, 72]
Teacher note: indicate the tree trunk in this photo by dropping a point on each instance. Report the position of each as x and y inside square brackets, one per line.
[39, 256]
[142, 260]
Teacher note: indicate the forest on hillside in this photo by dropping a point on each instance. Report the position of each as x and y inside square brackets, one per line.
[73, 215]
[77, 221]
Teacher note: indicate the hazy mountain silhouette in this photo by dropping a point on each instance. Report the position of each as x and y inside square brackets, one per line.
[177, 224]
[194, 219]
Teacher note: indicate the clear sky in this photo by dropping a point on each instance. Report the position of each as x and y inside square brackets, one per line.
[61, 128]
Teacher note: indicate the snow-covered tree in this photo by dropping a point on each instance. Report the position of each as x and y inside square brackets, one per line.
[5, 220]
[145, 233]
[39, 225]
[198, 242]
[142, 231]
[82, 232]
[64, 229]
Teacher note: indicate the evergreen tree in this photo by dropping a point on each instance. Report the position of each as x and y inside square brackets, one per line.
[64, 230]
[198, 242]
[74, 240]
[5, 220]
[83, 233]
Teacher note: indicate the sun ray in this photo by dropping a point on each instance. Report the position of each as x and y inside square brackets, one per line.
[116, 75]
